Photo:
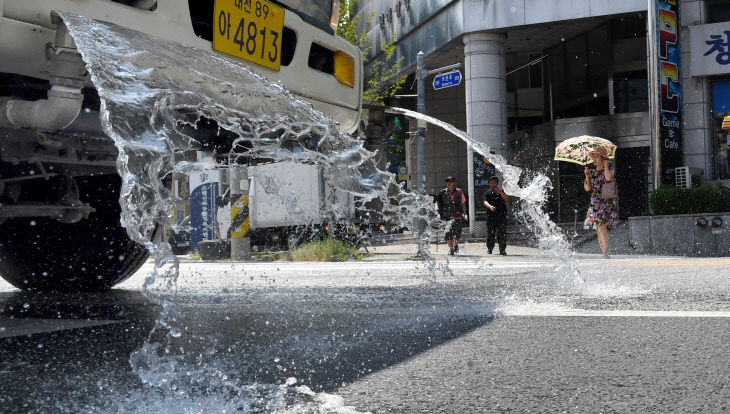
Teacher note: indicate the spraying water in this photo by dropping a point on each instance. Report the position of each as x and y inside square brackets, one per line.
[154, 93]
[533, 195]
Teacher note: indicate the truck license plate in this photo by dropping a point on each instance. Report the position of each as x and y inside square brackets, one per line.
[249, 30]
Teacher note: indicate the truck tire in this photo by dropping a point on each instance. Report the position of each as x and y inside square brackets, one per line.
[94, 254]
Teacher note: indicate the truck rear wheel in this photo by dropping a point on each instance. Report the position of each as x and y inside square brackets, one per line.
[43, 254]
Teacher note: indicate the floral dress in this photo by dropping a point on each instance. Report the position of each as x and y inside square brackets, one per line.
[601, 210]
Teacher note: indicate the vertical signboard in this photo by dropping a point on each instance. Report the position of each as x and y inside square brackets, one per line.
[204, 190]
[670, 90]
[483, 171]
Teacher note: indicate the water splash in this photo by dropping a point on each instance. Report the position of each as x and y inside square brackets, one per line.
[154, 95]
[533, 195]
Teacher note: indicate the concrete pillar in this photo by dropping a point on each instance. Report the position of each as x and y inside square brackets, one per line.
[486, 89]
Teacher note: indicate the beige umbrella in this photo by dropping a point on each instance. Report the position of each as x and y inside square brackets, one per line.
[576, 150]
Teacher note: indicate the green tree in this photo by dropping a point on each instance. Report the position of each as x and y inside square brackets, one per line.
[347, 25]
[382, 81]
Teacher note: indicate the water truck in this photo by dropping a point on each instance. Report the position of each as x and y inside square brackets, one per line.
[60, 226]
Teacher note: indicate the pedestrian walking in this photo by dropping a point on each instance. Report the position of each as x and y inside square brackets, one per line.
[495, 200]
[601, 211]
[451, 205]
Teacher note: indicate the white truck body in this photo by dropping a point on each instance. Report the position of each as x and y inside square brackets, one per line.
[26, 28]
[285, 194]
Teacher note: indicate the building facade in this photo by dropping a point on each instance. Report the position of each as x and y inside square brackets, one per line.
[537, 72]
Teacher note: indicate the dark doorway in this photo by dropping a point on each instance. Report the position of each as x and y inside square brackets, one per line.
[574, 199]
[633, 181]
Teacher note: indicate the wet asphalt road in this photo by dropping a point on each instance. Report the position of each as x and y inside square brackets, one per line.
[520, 334]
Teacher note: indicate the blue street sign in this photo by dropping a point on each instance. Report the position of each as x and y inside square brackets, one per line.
[447, 79]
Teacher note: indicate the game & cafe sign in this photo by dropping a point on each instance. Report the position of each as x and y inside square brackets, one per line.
[669, 88]
[710, 49]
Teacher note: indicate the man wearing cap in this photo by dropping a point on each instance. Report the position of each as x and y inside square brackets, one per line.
[451, 204]
[495, 200]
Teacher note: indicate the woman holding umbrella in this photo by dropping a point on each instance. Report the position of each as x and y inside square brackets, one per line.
[602, 211]
[584, 150]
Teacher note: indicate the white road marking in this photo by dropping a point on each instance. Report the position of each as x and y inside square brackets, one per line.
[613, 313]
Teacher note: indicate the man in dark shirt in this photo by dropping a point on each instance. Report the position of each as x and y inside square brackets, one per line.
[451, 204]
[495, 200]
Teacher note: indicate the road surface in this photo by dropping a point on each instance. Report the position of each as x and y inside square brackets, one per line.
[525, 333]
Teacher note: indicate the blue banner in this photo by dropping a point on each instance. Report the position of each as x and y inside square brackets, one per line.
[205, 189]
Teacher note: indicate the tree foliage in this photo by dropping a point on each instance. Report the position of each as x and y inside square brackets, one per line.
[382, 77]
[347, 26]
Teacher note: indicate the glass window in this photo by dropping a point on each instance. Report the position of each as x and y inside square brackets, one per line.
[628, 27]
[721, 142]
[630, 92]
[719, 13]
[720, 137]
[599, 58]
[318, 10]
[576, 68]
[556, 61]
[580, 68]
[536, 75]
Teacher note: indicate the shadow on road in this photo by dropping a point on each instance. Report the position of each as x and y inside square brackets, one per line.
[324, 337]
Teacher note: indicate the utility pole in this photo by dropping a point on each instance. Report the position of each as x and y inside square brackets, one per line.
[421, 74]
[653, 67]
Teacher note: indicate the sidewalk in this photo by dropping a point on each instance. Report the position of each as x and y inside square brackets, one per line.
[404, 247]
[471, 249]
[467, 251]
